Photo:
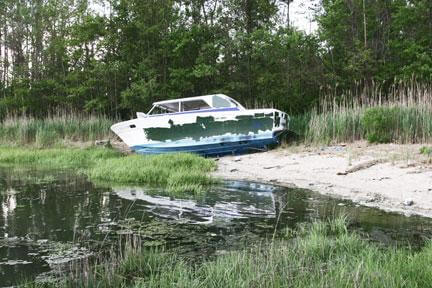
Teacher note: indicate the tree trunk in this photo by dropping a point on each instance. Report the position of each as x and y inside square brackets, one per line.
[364, 24]
[288, 13]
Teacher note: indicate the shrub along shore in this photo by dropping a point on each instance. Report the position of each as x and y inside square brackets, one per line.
[178, 173]
[321, 254]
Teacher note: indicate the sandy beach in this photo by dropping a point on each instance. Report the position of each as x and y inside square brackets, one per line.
[391, 177]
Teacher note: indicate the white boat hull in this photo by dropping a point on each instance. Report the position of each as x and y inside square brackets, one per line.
[215, 132]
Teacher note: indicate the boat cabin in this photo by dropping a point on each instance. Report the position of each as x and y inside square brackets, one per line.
[215, 102]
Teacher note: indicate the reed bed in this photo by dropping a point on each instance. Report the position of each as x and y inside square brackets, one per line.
[321, 254]
[407, 112]
[54, 129]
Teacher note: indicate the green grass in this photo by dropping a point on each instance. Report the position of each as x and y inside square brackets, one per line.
[321, 254]
[54, 129]
[177, 173]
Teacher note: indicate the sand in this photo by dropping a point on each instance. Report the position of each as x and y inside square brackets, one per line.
[390, 177]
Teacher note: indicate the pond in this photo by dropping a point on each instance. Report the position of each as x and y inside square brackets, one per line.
[49, 219]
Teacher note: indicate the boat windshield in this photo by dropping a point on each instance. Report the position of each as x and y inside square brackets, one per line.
[164, 108]
[225, 102]
[220, 102]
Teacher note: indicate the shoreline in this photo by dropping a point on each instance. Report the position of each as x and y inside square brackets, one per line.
[391, 177]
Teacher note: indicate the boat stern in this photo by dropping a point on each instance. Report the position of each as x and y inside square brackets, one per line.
[281, 120]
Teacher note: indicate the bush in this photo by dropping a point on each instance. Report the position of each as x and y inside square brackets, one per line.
[380, 124]
[427, 151]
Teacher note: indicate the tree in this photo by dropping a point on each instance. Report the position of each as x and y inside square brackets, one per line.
[288, 3]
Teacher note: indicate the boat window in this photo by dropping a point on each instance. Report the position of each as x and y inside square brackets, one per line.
[165, 108]
[234, 103]
[219, 102]
[194, 105]
[171, 107]
[157, 110]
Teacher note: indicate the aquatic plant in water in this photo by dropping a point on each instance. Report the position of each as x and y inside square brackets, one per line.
[320, 254]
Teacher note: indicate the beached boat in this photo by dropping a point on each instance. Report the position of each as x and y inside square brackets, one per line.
[207, 125]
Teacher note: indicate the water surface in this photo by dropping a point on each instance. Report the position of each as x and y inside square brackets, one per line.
[52, 218]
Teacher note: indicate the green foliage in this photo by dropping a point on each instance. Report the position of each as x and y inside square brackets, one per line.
[379, 124]
[365, 45]
[120, 62]
[425, 150]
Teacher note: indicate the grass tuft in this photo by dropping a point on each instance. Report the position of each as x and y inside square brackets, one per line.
[177, 172]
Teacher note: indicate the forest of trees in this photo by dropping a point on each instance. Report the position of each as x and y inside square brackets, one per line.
[116, 57]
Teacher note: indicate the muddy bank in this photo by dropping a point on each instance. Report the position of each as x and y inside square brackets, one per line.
[390, 177]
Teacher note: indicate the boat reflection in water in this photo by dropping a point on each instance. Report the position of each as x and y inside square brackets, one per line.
[236, 200]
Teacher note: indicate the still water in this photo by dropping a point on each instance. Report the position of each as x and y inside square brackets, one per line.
[49, 219]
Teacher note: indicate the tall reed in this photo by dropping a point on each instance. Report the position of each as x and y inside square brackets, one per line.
[340, 118]
[24, 130]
